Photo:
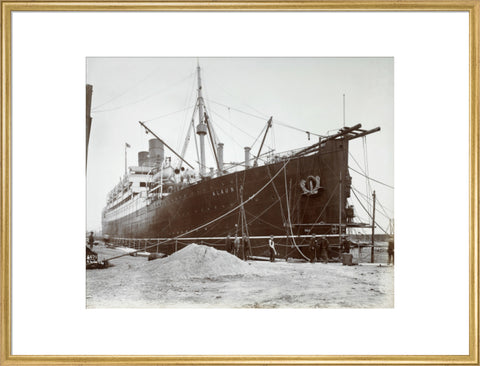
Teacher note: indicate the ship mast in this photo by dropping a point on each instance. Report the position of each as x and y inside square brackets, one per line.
[201, 127]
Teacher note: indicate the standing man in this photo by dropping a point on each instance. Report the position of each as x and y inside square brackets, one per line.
[313, 248]
[236, 244]
[391, 251]
[271, 246]
[228, 244]
[324, 249]
[246, 247]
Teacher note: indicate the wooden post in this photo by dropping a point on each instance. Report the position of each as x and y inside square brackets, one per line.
[373, 231]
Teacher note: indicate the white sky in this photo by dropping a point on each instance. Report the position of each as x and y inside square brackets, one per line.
[302, 92]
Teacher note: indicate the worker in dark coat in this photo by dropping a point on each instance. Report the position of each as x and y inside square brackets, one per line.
[91, 239]
[271, 247]
[345, 246]
[324, 249]
[391, 251]
[313, 248]
[229, 244]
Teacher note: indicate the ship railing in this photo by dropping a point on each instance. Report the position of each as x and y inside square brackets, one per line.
[147, 244]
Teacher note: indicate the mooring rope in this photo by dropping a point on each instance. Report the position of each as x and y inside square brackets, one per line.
[288, 216]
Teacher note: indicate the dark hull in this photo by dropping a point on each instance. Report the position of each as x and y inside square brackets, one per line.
[310, 210]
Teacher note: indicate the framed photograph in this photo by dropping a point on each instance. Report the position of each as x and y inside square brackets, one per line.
[221, 209]
[240, 175]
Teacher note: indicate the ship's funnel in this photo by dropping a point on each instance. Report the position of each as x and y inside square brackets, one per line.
[247, 157]
[143, 158]
[156, 154]
[220, 157]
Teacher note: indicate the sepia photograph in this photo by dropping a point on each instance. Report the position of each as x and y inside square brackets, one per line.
[240, 182]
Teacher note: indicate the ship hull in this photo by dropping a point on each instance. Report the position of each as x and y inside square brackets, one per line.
[295, 196]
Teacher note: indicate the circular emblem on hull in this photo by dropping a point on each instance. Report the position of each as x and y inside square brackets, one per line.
[311, 185]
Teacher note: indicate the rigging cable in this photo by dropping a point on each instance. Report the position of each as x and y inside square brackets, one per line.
[169, 114]
[186, 120]
[368, 187]
[368, 213]
[263, 118]
[144, 98]
[195, 140]
[238, 110]
[255, 218]
[227, 135]
[385, 209]
[377, 181]
[279, 199]
[214, 126]
[207, 108]
[362, 173]
[288, 215]
[230, 118]
[324, 208]
[127, 90]
[231, 124]
[383, 213]
[210, 78]
[274, 142]
[260, 134]
[386, 214]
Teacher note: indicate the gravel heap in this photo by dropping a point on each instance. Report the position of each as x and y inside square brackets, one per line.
[199, 261]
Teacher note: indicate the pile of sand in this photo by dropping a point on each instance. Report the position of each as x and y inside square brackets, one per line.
[199, 261]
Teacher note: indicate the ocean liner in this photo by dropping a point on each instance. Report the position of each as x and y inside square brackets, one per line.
[161, 204]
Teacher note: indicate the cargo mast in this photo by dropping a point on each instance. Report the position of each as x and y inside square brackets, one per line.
[201, 127]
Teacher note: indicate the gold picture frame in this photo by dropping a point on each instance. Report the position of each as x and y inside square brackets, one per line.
[470, 6]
